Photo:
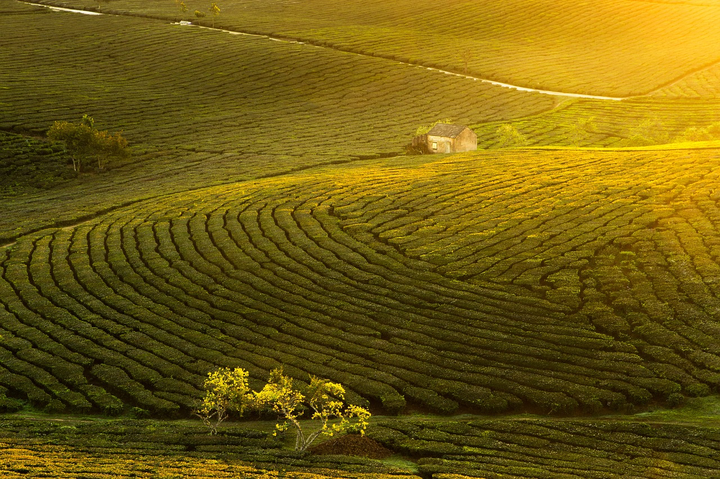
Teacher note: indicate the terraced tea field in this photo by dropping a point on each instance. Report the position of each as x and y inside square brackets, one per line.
[608, 47]
[703, 84]
[565, 449]
[613, 123]
[438, 448]
[488, 283]
[82, 447]
[201, 107]
[269, 217]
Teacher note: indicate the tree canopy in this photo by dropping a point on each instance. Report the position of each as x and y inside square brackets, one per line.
[85, 143]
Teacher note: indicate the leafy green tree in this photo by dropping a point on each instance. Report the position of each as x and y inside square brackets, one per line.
[713, 130]
[226, 390]
[580, 129]
[324, 398]
[421, 130]
[508, 136]
[182, 7]
[694, 133]
[86, 143]
[214, 11]
[650, 131]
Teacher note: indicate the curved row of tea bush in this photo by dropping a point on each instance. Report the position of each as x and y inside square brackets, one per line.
[200, 107]
[625, 47]
[540, 448]
[518, 281]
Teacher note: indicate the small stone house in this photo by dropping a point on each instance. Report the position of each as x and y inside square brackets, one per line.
[444, 138]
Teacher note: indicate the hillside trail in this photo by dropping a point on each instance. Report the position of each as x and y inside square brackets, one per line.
[418, 64]
[296, 42]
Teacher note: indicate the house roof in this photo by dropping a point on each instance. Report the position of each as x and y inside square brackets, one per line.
[448, 131]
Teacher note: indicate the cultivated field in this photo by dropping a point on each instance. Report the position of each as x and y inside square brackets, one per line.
[606, 47]
[439, 448]
[555, 284]
[269, 217]
[202, 107]
[613, 123]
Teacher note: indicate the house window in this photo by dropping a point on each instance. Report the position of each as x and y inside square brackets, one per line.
[434, 145]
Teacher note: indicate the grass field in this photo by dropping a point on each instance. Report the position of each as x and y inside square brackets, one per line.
[269, 217]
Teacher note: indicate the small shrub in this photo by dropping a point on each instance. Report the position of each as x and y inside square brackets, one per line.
[675, 400]
[508, 136]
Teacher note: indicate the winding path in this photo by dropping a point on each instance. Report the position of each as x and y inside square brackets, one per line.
[287, 40]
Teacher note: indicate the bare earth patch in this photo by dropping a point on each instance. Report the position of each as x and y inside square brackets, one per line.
[352, 445]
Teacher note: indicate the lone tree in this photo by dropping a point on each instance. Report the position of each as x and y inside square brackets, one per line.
[226, 390]
[182, 7]
[580, 130]
[215, 11]
[325, 399]
[650, 131]
[86, 143]
[508, 136]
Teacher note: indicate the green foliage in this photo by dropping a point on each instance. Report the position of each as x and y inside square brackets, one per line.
[508, 136]
[421, 130]
[324, 398]
[694, 133]
[182, 7]
[214, 11]
[85, 142]
[650, 131]
[225, 391]
[580, 129]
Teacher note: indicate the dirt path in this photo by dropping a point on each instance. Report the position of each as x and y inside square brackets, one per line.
[295, 41]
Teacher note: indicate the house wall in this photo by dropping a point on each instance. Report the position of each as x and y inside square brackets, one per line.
[466, 141]
[444, 144]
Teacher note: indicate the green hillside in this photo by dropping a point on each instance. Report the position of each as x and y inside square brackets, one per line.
[201, 107]
[482, 282]
[607, 124]
[519, 312]
[608, 47]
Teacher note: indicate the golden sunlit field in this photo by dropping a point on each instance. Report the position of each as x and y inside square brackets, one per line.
[546, 306]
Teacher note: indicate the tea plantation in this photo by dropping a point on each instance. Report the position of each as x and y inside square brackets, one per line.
[510, 312]
[616, 48]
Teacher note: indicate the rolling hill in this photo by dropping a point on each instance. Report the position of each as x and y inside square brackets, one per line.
[270, 217]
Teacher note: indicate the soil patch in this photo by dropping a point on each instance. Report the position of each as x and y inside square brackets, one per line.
[352, 445]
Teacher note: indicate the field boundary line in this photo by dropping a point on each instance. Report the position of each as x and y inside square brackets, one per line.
[294, 40]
